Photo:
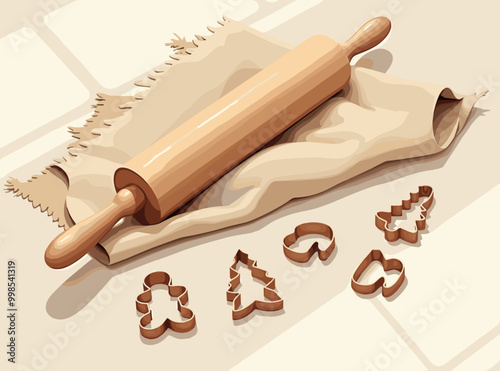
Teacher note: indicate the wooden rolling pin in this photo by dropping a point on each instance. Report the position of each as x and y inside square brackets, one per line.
[158, 181]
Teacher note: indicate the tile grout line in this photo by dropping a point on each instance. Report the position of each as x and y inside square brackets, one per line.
[401, 331]
[69, 59]
[473, 348]
[284, 14]
[66, 118]
[63, 120]
[83, 74]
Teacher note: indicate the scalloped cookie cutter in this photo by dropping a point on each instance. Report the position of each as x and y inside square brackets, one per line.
[304, 230]
[383, 218]
[275, 302]
[387, 264]
[142, 305]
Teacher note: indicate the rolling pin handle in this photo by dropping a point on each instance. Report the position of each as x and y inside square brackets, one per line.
[74, 243]
[370, 34]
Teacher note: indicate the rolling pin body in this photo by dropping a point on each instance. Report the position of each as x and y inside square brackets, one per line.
[195, 154]
[161, 179]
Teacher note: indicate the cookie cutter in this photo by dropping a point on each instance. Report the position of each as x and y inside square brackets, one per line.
[275, 302]
[383, 218]
[307, 229]
[142, 305]
[387, 264]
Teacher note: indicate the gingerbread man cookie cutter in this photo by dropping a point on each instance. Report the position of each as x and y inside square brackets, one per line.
[142, 305]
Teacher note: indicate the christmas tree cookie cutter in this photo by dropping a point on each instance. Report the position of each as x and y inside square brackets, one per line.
[142, 305]
[383, 218]
[304, 230]
[274, 302]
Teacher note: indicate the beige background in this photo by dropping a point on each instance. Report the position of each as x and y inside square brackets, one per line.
[444, 43]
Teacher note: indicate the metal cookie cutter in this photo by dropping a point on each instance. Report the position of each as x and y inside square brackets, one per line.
[383, 218]
[142, 305]
[303, 230]
[275, 302]
[387, 264]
